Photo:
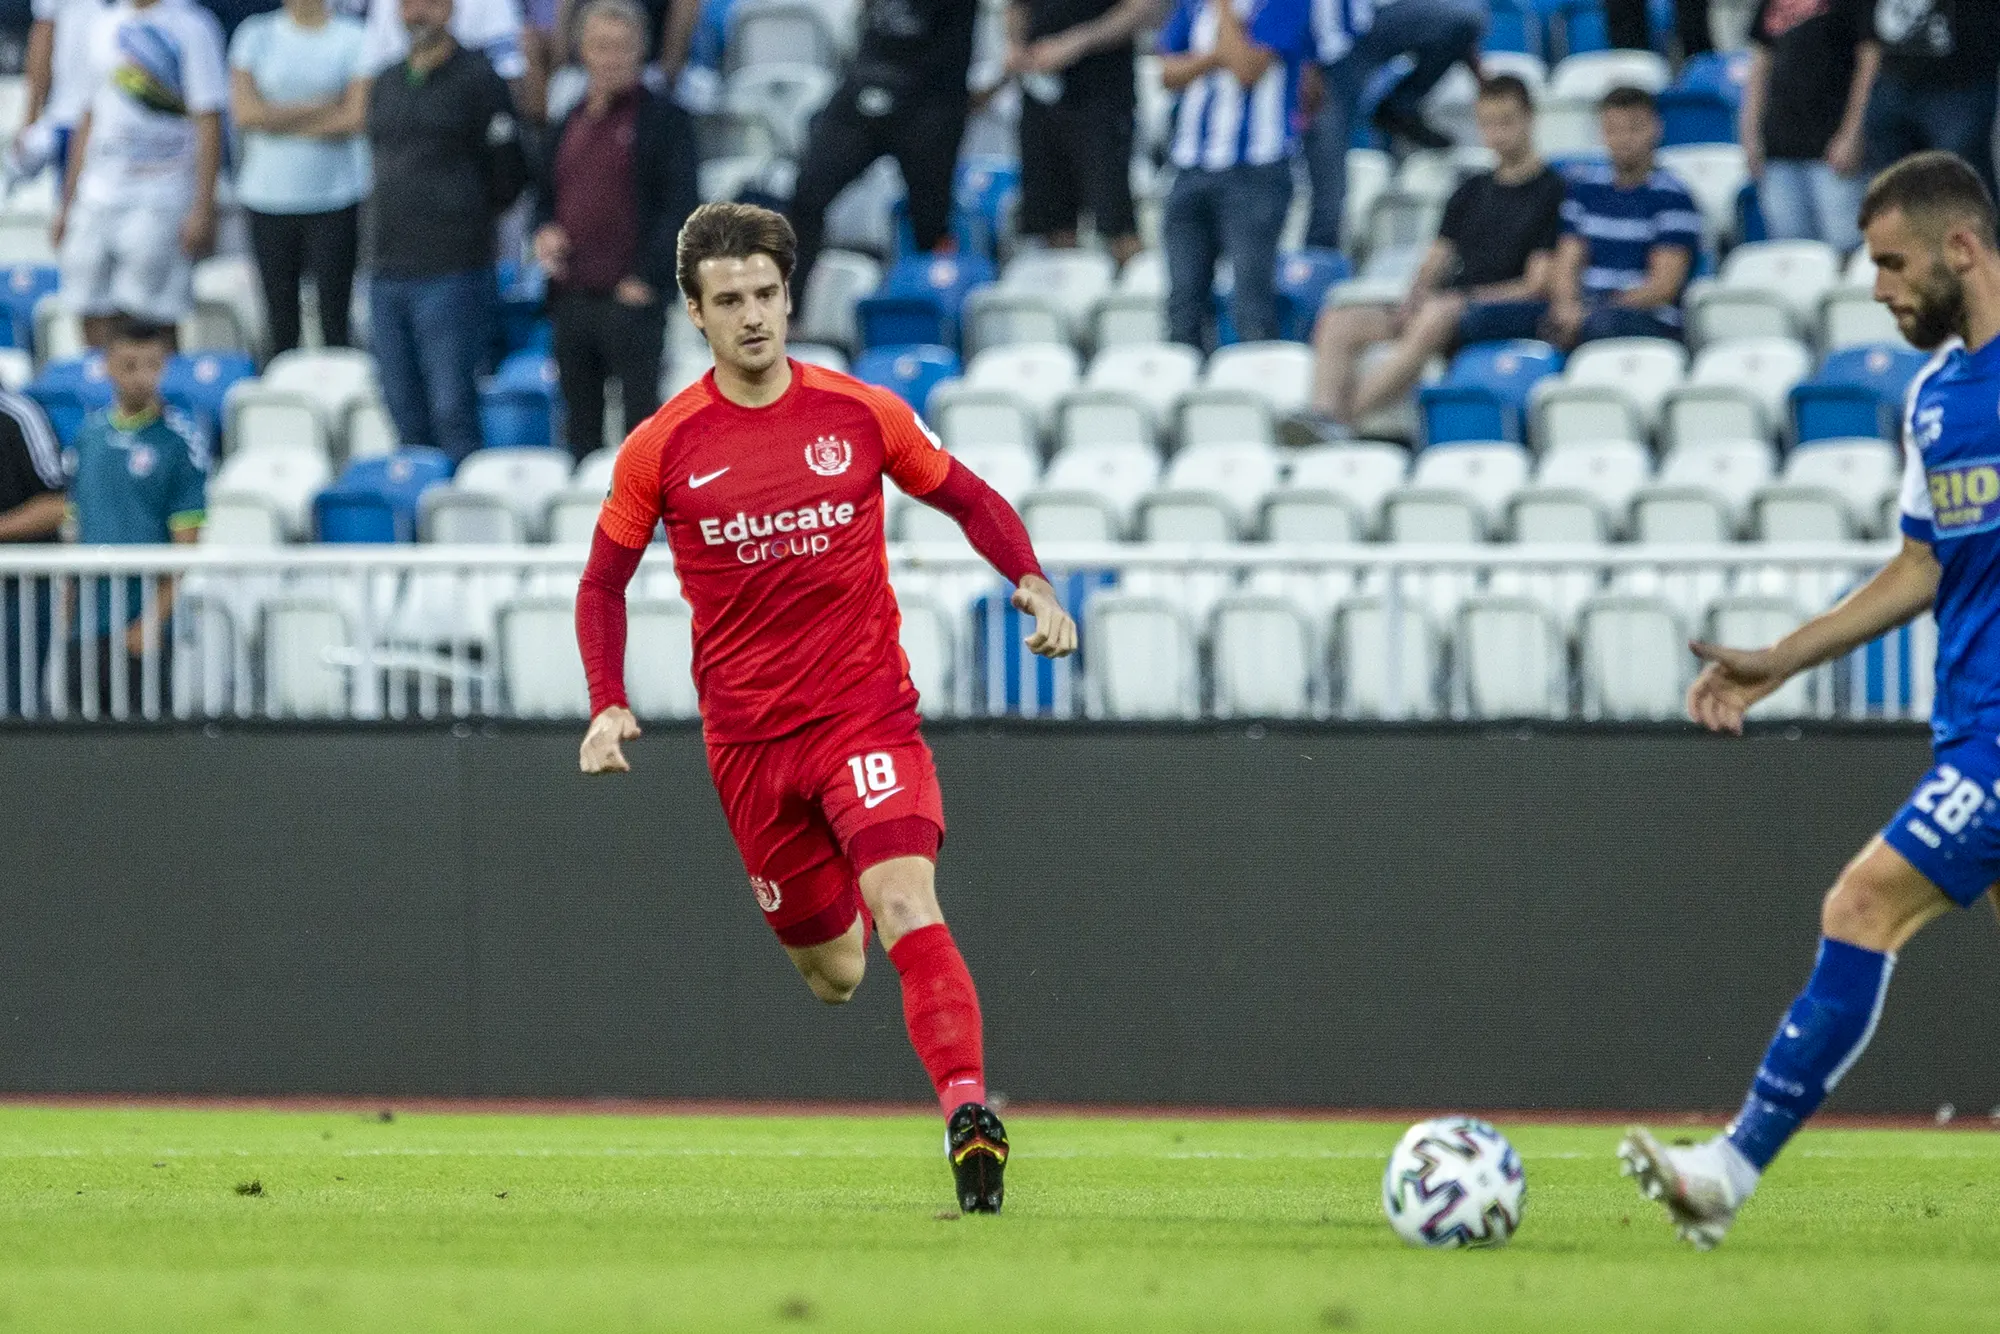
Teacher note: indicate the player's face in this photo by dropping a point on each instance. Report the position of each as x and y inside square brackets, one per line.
[744, 311]
[1505, 127]
[135, 369]
[1630, 136]
[1914, 282]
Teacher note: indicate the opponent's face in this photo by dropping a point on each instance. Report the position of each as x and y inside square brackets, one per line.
[1913, 279]
[744, 311]
[1630, 136]
[135, 368]
[426, 20]
[1505, 127]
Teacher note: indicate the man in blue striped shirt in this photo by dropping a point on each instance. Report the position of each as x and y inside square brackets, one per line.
[1235, 65]
[1631, 233]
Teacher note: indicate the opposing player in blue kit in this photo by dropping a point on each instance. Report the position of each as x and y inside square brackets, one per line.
[1930, 227]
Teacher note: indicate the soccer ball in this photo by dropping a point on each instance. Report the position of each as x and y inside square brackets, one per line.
[1454, 1182]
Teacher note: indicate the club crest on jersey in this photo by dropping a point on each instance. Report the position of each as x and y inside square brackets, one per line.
[769, 896]
[829, 456]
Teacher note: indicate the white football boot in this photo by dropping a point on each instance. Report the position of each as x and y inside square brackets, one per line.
[1694, 1183]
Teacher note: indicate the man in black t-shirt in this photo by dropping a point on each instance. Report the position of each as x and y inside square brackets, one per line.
[904, 97]
[1812, 63]
[1074, 62]
[1937, 86]
[1485, 277]
[31, 510]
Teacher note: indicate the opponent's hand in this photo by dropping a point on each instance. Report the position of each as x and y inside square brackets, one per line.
[1733, 680]
[603, 745]
[1055, 632]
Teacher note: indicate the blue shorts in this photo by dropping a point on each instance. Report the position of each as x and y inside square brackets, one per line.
[1949, 829]
[1498, 321]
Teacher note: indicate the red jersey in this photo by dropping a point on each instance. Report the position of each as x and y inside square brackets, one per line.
[774, 516]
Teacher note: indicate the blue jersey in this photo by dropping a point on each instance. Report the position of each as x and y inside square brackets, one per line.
[1219, 123]
[135, 482]
[1621, 225]
[1951, 499]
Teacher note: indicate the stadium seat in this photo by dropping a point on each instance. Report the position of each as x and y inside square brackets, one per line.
[280, 481]
[1369, 172]
[1858, 392]
[367, 431]
[783, 95]
[1715, 174]
[840, 278]
[68, 391]
[1279, 373]
[1377, 674]
[21, 287]
[1224, 416]
[240, 519]
[1865, 473]
[1799, 272]
[1157, 373]
[541, 670]
[1430, 514]
[778, 32]
[1737, 389]
[1427, 174]
[199, 385]
[1717, 313]
[962, 416]
[928, 632]
[1108, 416]
[919, 300]
[572, 516]
[452, 515]
[1513, 659]
[231, 281]
[1566, 128]
[1142, 661]
[1590, 75]
[1145, 274]
[1230, 482]
[1608, 472]
[1304, 276]
[1788, 512]
[333, 377]
[1487, 472]
[1485, 394]
[1852, 317]
[304, 636]
[1560, 515]
[1264, 654]
[257, 416]
[1730, 469]
[212, 326]
[1038, 374]
[1116, 474]
[1398, 221]
[1609, 390]
[1326, 480]
[375, 500]
[1752, 621]
[525, 479]
[58, 331]
[659, 657]
[912, 371]
[1072, 279]
[1123, 317]
[1633, 657]
[995, 316]
[1011, 469]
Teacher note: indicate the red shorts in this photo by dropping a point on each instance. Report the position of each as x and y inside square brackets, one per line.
[797, 805]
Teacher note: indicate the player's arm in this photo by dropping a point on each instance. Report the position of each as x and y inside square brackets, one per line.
[997, 533]
[1734, 679]
[624, 527]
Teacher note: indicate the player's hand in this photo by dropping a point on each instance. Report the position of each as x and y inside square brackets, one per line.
[1732, 681]
[1055, 632]
[603, 745]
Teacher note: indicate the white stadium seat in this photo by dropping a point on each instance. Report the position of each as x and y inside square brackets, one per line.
[1487, 472]
[1717, 313]
[1738, 388]
[1279, 373]
[1010, 469]
[1634, 658]
[1752, 621]
[1560, 515]
[593, 472]
[1145, 274]
[1357, 475]
[1786, 512]
[1714, 174]
[1610, 471]
[452, 515]
[1433, 514]
[368, 431]
[1731, 470]
[304, 636]
[1120, 318]
[659, 657]
[540, 667]
[572, 515]
[1852, 317]
[1369, 171]
[1865, 472]
[282, 479]
[930, 643]
[527, 478]
[241, 519]
[1591, 74]
[783, 95]
[1142, 658]
[1224, 416]
[1610, 390]
[1156, 373]
[1374, 680]
[232, 281]
[1073, 279]
[964, 416]
[1036, 373]
[839, 279]
[1264, 654]
[1240, 476]
[995, 316]
[333, 377]
[1513, 659]
[1061, 515]
[813, 354]
[1104, 416]
[1120, 474]
[1799, 272]
[258, 416]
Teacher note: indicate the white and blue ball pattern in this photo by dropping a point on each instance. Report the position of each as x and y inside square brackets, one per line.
[1453, 1182]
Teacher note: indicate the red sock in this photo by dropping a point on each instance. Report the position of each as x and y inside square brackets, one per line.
[942, 1011]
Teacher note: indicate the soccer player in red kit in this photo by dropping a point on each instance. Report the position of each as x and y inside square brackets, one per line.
[768, 476]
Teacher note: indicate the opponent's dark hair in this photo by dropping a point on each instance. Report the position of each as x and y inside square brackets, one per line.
[1507, 87]
[1627, 98]
[133, 329]
[1931, 188]
[732, 231]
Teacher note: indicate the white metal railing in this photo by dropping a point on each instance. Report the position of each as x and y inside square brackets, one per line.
[1363, 630]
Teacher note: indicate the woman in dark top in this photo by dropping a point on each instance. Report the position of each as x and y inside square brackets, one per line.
[1485, 277]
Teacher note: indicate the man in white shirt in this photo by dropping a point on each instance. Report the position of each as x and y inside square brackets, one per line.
[138, 206]
[58, 73]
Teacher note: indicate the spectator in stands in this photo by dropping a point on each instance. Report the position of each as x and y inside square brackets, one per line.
[1354, 39]
[138, 475]
[448, 161]
[58, 74]
[904, 96]
[1630, 235]
[300, 100]
[1074, 59]
[1486, 276]
[31, 510]
[490, 27]
[139, 203]
[1238, 81]
[1627, 26]
[1940, 59]
[616, 183]
[1812, 63]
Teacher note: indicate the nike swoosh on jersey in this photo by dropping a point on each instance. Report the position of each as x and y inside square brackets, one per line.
[874, 799]
[696, 483]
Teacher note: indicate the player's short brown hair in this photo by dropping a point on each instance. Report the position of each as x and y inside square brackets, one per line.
[1507, 88]
[1933, 190]
[1628, 98]
[732, 231]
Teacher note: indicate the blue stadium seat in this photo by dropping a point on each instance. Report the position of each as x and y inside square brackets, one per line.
[1005, 675]
[528, 369]
[1696, 116]
[1514, 26]
[1749, 216]
[1303, 279]
[911, 369]
[982, 195]
[21, 286]
[521, 291]
[69, 390]
[515, 417]
[197, 384]
[375, 499]
[1858, 392]
[919, 300]
[1485, 394]
[1584, 27]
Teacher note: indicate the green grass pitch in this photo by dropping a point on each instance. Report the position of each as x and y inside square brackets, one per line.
[150, 1219]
